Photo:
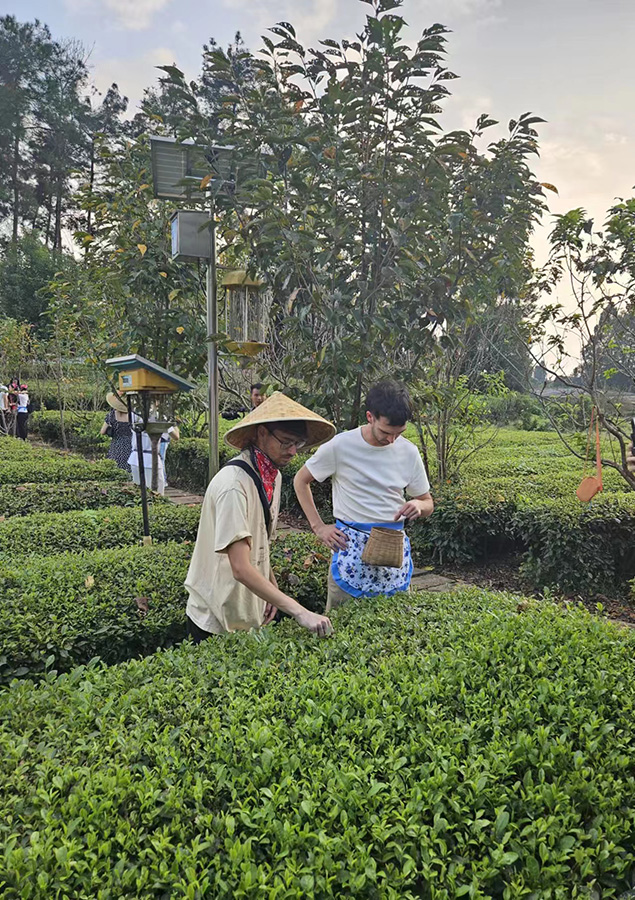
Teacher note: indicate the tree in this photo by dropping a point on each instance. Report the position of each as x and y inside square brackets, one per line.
[364, 216]
[26, 51]
[600, 268]
[25, 273]
[129, 288]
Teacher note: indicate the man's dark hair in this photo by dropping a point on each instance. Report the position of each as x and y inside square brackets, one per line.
[391, 400]
[256, 387]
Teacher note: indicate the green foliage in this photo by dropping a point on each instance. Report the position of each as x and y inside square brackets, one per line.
[81, 428]
[517, 409]
[574, 547]
[62, 610]
[187, 463]
[599, 268]
[131, 296]
[16, 347]
[76, 392]
[57, 469]
[436, 747]
[300, 563]
[44, 116]
[25, 273]
[187, 467]
[363, 213]
[91, 529]
[27, 499]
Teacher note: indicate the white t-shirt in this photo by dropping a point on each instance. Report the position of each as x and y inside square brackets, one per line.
[369, 482]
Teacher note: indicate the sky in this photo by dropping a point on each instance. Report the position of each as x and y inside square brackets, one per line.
[572, 62]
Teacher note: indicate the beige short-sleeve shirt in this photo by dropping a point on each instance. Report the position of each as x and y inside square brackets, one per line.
[231, 511]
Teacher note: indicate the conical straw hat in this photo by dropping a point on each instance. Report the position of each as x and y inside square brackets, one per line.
[279, 408]
[116, 402]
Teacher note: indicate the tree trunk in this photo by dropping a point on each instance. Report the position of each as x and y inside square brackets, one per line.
[60, 401]
[91, 182]
[57, 238]
[16, 189]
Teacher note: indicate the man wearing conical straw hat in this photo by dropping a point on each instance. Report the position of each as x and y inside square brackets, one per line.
[230, 582]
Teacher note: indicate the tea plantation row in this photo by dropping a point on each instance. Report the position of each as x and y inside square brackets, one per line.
[518, 495]
[438, 746]
[63, 609]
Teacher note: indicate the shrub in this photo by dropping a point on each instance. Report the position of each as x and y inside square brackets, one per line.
[513, 407]
[77, 391]
[434, 748]
[300, 563]
[81, 428]
[92, 529]
[467, 525]
[573, 547]
[187, 467]
[26, 499]
[59, 611]
[14, 449]
[187, 463]
[60, 469]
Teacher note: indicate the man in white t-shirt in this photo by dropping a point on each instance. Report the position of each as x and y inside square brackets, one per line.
[372, 469]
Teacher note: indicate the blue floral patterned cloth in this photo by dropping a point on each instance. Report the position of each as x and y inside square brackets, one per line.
[361, 580]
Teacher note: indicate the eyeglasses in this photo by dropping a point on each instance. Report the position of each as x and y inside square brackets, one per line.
[287, 445]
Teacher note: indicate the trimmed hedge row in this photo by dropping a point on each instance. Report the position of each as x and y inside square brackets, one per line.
[59, 468]
[567, 545]
[434, 748]
[187, 463]
[13, 449]
[574, 546]
[26, 499]
[47, 533]
[61, 610]
[81, 428]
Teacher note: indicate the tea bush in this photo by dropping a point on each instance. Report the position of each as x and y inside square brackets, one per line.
[187, 463]
[300, 563]
[92, 529]
[573, 546]
[81, 428]
[59, 468]
[61, 610]
[187, 467]
[26, 499]
[449, 746]
[567, 545]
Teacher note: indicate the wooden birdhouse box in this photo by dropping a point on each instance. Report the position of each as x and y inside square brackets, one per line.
[136, 374]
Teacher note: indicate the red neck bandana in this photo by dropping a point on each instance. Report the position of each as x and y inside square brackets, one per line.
[267, 472]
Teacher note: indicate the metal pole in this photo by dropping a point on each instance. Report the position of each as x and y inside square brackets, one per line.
[212, 351]
[142, 476]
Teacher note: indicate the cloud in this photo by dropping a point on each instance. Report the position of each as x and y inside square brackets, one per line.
[133, 15]
[309, 18]
[132, 75]
[612, 138]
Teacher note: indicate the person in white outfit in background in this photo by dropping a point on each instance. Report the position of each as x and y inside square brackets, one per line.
[146, 443]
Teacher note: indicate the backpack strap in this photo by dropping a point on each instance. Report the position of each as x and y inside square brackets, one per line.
[266, 509]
